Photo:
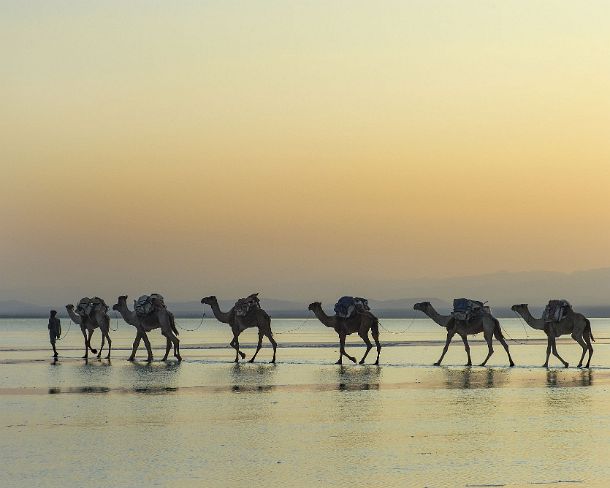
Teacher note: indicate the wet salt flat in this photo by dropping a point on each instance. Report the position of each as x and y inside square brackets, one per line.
[303, 421]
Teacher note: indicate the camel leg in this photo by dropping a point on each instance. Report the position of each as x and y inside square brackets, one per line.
[273, 344]
[168, 346]
[580, 341]
[467, 347]
[84, 331]
[375, 335]
[109, 344]
[342, 350]
[148, 348]
[258, 346]
[447, 342]
[365, 337]
[176, 342]
[136, 344]
[99, 353]
[341, 346]
[235, 345]
[500, 337]
[556, 354]
[90, 333]
[490, 349]
[587, 337]
[548, 352]
[351, 358]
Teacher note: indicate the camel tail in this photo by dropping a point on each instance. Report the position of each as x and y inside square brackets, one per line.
[498, 332]
[588, 327]
[172, 322]
[375, 328]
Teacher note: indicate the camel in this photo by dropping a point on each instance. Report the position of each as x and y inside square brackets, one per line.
[256, 317]
[575, 324]
[485, 323]
[88, 324]
[160, 318]
[361, 322]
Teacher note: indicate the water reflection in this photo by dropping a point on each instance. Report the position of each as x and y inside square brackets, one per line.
[565, 392]
[469, 378]
[252, 378]
[357, 379]
[562, 378]
[143, 377]
[81, 389]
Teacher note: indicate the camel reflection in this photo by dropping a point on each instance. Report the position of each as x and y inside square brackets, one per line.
[252, 378]
[358, 379]
[564, 379]
[79, 389]
[469, 378]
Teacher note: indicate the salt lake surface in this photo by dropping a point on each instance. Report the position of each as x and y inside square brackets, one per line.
[304, 421]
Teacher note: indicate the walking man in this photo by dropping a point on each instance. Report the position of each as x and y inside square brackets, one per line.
[54, 330]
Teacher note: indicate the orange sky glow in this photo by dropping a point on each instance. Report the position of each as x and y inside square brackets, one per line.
[219, 147]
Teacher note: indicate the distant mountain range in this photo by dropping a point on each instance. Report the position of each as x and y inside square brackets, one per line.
[402, 308]
[588, 291]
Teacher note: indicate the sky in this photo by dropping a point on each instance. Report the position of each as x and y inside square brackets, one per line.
[299, 148]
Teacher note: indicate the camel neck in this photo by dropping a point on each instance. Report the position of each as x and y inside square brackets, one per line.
[74, 316]
[530, 320]
[224, 317]
[128, 316]
[442, 320]
[322, 317]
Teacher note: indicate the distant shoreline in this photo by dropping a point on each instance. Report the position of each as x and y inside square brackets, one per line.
[594, 313]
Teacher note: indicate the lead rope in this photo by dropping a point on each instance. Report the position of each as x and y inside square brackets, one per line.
[398, 331]
[117, 322]
[522, 323]
[300, 326]
[196, 328]
[64, 335]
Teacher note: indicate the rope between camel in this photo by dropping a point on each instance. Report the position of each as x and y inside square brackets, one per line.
[398, 331]
[117, 322]
[300, 326]
[523, 324]
[64, 335]
[196, 328]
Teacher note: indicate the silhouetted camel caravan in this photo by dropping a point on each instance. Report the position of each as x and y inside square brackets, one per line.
[151, 313]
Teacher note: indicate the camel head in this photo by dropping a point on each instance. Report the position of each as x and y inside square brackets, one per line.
[519, 307]
[314, 305]
[69, 307]
[422, 306]
[209, 300]
[121, 301]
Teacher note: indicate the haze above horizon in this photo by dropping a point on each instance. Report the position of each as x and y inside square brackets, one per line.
[299, 148]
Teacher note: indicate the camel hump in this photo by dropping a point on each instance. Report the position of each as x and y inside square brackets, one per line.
[86, 305]
[244, 305]
[347, 306]
[467, 309]
[556, 310]
[147, 304]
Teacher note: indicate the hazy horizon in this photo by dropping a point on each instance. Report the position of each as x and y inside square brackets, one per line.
[300, 148]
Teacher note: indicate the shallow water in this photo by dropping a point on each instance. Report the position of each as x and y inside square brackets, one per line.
[304, 421]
